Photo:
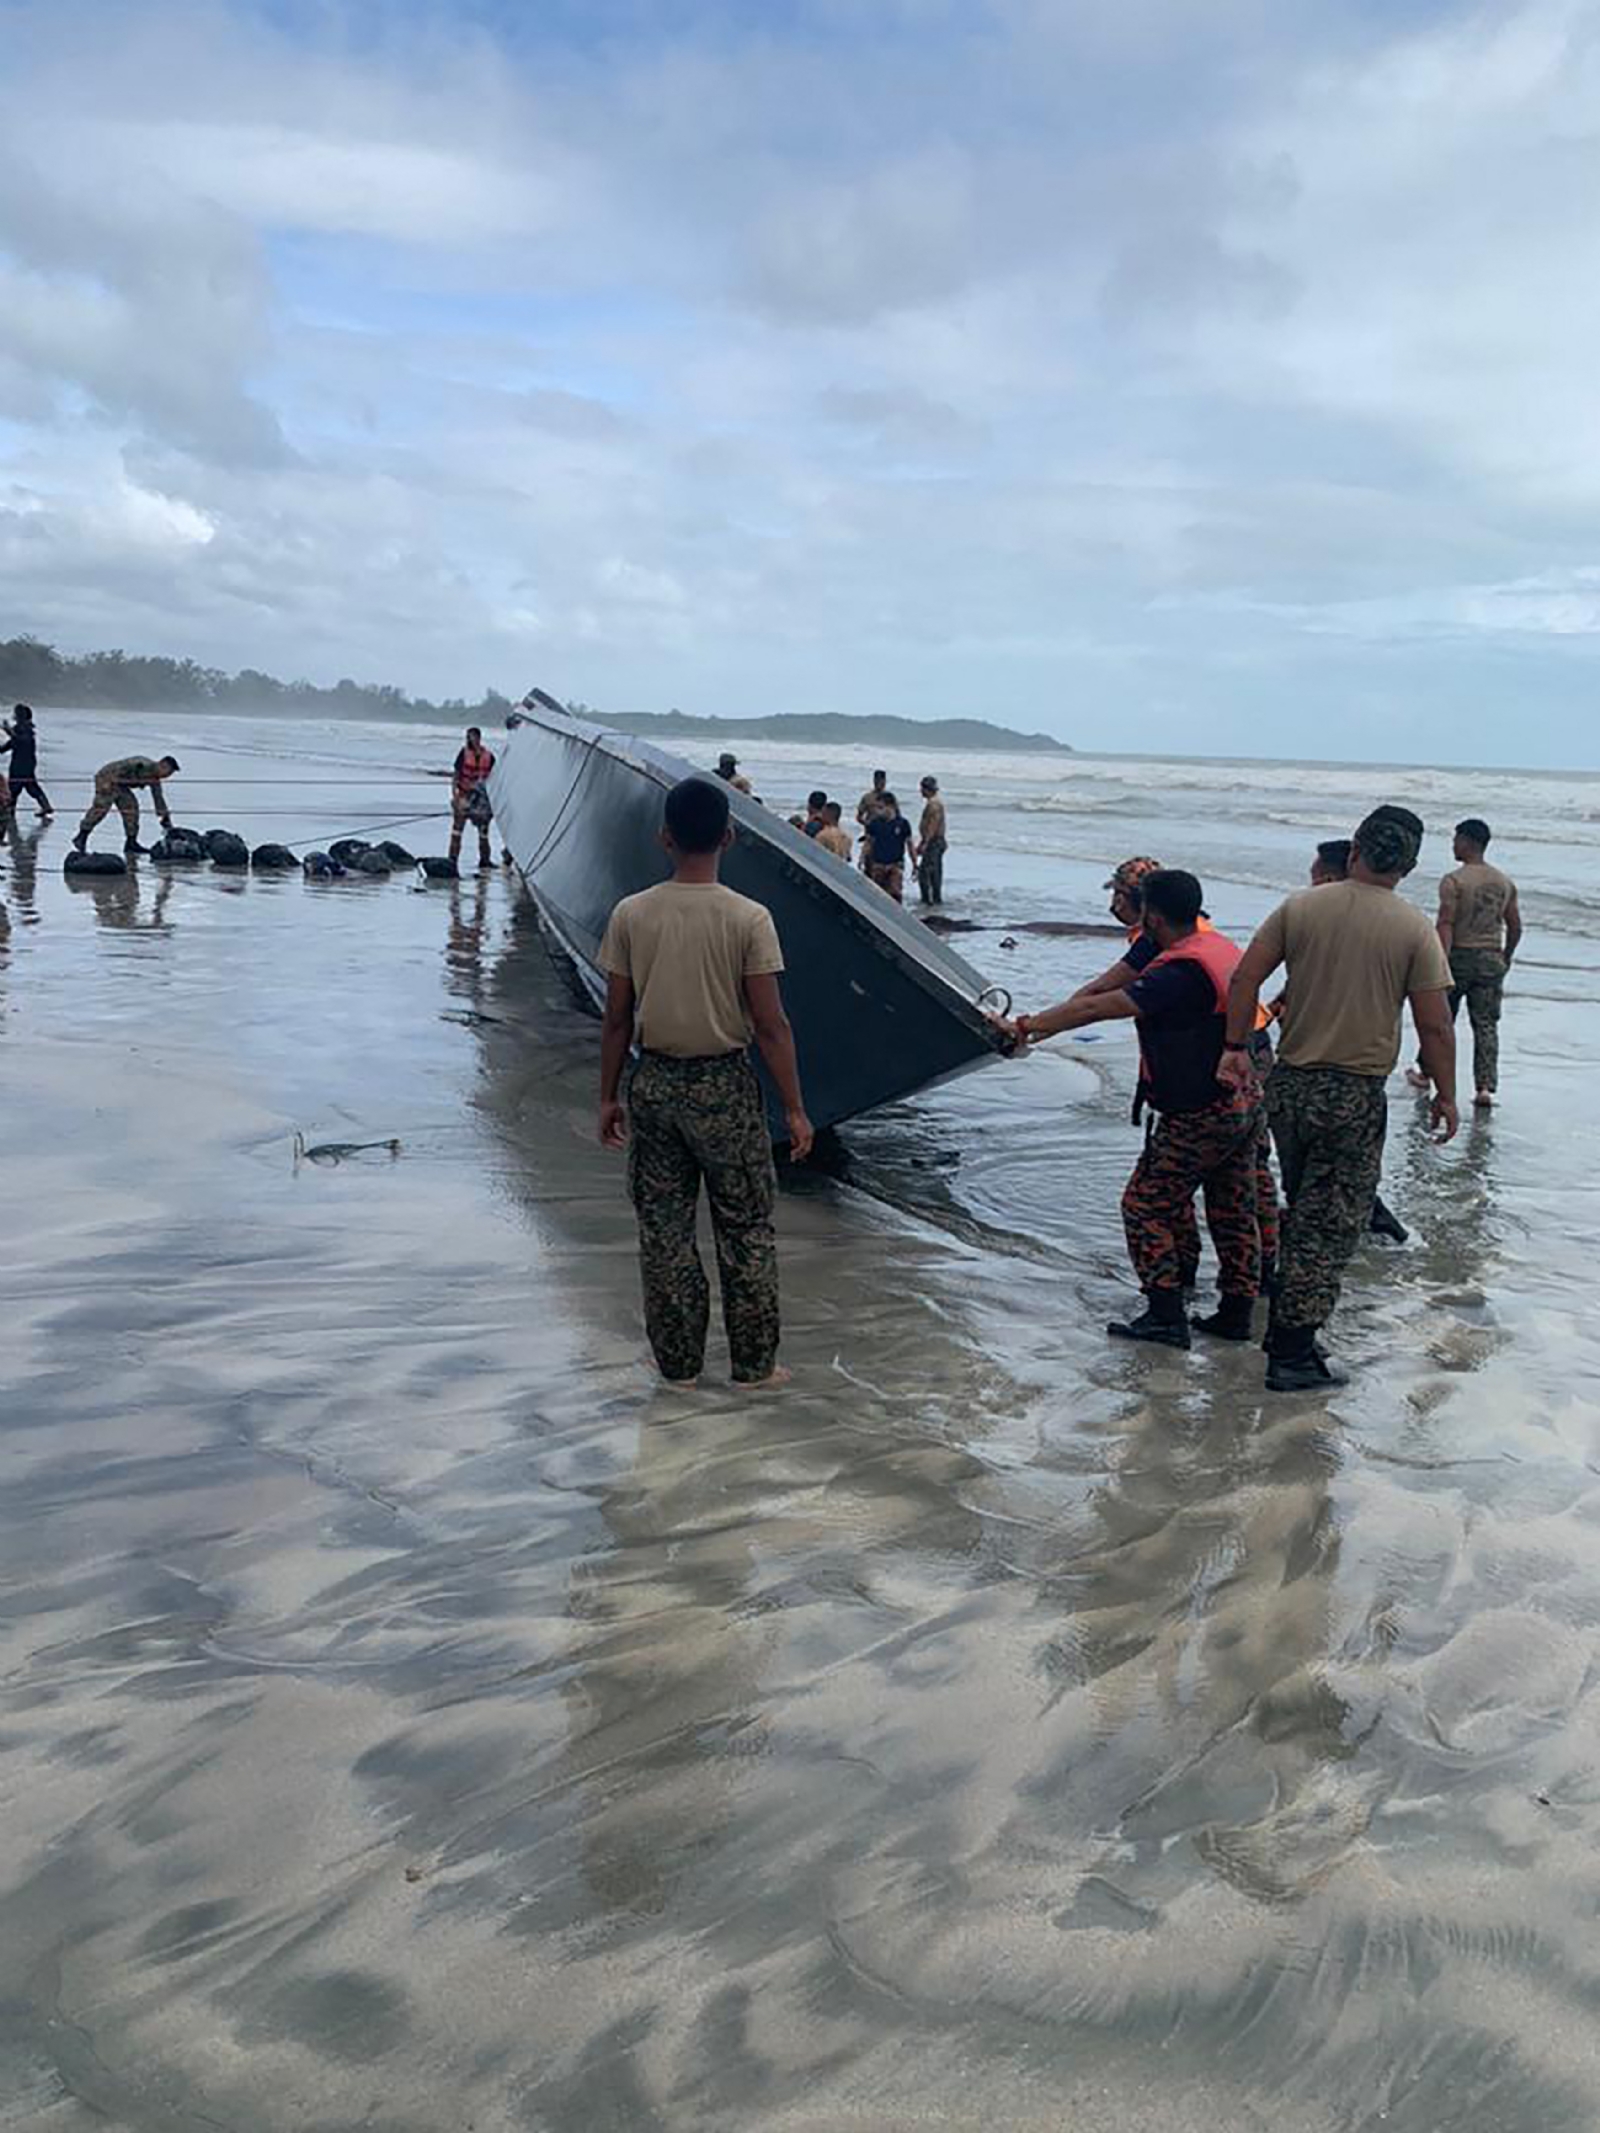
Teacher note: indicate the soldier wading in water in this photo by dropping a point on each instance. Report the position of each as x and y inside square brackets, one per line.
[1356, 954]
[694, 968]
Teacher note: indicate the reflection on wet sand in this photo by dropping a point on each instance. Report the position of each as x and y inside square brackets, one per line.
[410, 1716]
[125, 903]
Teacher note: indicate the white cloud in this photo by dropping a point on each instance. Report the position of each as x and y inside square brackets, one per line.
[1150, 368]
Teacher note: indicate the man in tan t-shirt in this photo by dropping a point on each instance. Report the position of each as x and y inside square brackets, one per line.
[693, 968]
[1480, 927]
[1356, 954]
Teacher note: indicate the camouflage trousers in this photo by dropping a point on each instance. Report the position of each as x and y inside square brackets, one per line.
[1212, 1151]
[930, 871]
[1267, 1215]
[1480, 978]
[1329, 1126]
[106, 797]
[692, 1120]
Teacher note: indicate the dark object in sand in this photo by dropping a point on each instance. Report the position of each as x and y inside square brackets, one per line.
[579, 808]
[179, 848]
[347, 850]
[396, 854]
[1051, 928]
[321, 866]
[440, 869]
[224, 849]
[273, 859]
[95, 863]
[339, 1151]
[371, 863]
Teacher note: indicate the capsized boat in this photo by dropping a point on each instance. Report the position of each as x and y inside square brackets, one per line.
[879, 1005]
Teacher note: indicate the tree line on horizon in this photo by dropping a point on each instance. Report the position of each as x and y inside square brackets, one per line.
[33, 672]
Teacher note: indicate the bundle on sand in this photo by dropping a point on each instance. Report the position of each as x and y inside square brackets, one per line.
[273, 859]
[179, 848]
[321, 866]
[372, 863]
[224, 849]
[95, 863]
[347, 850]
[440, 869]
[396, 854]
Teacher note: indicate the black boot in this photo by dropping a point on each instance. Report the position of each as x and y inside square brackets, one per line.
[1230, 1321]
[1295, 1363]
[1386, 1223]
[136, 850]
[1161, 1321]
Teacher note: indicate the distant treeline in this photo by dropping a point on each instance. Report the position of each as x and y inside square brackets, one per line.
[36, 673]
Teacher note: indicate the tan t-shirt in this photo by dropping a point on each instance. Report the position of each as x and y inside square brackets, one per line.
[836, 840]
[688, 948]
[1475, 899]
[1354, 954]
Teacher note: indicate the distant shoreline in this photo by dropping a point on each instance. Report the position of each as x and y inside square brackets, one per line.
[840, 727]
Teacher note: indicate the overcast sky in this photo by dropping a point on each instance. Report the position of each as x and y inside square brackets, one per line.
[1212, 376]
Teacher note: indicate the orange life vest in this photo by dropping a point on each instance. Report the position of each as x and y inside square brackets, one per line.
[475, 766]
[1203, 925]
[1217, 956]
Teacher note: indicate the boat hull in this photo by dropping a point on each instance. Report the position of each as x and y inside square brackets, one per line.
[880, 1006]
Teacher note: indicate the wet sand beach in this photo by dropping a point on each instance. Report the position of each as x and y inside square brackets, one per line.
[412, 1718]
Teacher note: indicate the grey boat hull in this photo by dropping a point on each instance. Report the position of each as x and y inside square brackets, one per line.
[880, 1006]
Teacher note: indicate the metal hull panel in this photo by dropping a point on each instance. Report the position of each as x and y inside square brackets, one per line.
[879, 1005]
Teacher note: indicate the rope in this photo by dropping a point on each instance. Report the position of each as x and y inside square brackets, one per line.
[302, 843]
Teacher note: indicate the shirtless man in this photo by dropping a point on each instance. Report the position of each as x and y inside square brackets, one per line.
[833, 836]
[928, 852]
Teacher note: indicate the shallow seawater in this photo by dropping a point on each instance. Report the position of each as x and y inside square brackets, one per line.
[411, 1718]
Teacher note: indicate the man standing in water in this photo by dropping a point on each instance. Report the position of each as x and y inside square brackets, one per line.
[1480, 928]
[871, 801]
[1127, 908]
[887, 836]
[117, 785]
[833, 836]
[928, 852]
[1206, 1134]
[1356, 953]
[469, 796]
[21, 744]
[695, 968]
[1332, 863]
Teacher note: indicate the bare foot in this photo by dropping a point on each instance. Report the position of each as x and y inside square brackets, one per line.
[1418, 1079]
[780, 1376]
[680, 1384]
[1483, 1101]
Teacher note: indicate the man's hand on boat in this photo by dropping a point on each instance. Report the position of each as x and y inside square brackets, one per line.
[613, 1125]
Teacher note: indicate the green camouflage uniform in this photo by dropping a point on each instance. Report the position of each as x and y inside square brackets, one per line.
[691, 1119]
[1480, 977]
[1329, 1126]
[114, 788]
